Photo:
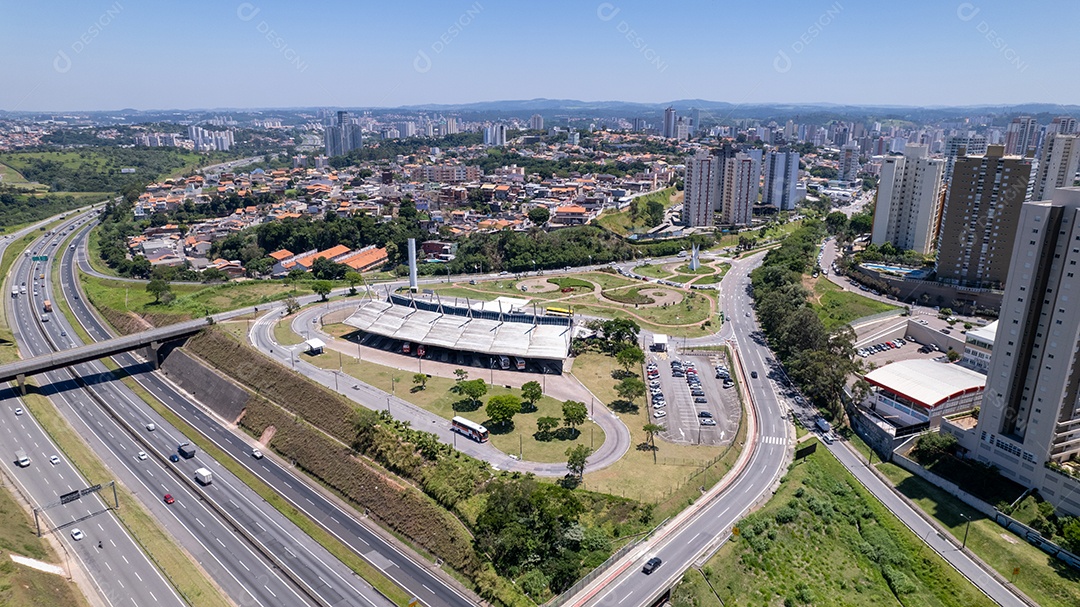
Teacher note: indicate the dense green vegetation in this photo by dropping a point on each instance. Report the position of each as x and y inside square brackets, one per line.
[645, 212]
[824, 540]
[392, 148]
[540, 535]
[817, 360]
[18, 208]
[99, 169]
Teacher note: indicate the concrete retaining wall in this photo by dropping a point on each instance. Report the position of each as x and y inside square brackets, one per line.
[218, 393]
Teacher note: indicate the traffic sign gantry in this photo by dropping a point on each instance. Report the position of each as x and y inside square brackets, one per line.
[40, 258]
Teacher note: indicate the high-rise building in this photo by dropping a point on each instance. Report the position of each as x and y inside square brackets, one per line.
[343, 136]
[909, 200]
[682, 129]
[451, 126]
[1030, 414]
[702, 191]
[1058, 163]
[781, 179]
[406, 129]
[1062, 125]
[638, 124]
[670, 120]
[978, 221]
[495, 135]
[1021, 136]
[972, 145]
[849, 162]
[536, 123]
[573, 138]
[695, 121]
[742, 177]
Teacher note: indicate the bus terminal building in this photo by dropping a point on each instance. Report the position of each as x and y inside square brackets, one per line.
[502, 334]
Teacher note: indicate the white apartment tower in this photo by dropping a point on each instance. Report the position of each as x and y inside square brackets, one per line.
[702, 191]
[1058, 163]
[536, 123]
[972, 145]
[1030, 415]
[781, 180]
[669, 123]
[849, 162]
[909, 200]
[1021, 135]
[742, 176]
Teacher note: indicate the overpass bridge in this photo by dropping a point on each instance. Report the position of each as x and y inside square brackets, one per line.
[149, 341]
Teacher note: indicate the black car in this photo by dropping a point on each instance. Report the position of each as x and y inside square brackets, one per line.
[700, 399]
[753, 374]
[651, 565]
[704, 414]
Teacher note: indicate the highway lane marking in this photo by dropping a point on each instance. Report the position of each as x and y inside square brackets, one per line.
[242, 564]
[199, 522]
[270, 591]
[426, 588]
[625, 597]
[220, 542]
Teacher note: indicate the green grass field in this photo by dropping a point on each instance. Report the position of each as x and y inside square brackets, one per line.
[1042, 577]
[437, 398]
[621, 223]
[824, 540]
[837, 307]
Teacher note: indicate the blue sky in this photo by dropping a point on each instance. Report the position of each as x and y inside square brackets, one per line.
[111, 54]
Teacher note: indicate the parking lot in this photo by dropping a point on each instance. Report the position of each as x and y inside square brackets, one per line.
[881, 352]
[694, 412]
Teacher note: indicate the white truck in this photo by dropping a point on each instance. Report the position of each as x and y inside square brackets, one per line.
[21, 458]
[204, 476]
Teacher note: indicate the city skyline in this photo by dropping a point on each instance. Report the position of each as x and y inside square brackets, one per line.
[107, 56]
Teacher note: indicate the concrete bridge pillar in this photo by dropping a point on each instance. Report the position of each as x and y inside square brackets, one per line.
[21, 379]
[150, 353]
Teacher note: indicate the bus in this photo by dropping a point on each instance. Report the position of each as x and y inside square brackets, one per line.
[553, 311]
[519, 363]
[470, 429]
[406, 348]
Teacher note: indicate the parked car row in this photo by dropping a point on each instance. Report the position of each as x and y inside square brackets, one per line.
[881, 347]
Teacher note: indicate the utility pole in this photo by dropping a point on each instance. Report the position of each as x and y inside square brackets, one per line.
[966, 527]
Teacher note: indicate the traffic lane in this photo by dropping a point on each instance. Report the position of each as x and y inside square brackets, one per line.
[117, 445]
[264, 584]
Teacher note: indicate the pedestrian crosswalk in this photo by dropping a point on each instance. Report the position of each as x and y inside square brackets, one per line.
[774, 440]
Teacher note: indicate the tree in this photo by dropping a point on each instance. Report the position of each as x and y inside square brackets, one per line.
[545, 425]
[473, 389]
[631, 388]
[574, 414]
[531, 392]
[461, 374]
[420, 379]
[575, 460]
[933, 446]
[322, 288]
[353, 278]
[159, 288]
[539, 215]
[502, 408]
[630, 356]
[651, 430]
[953, 355]
[836, 222]
[291, 305]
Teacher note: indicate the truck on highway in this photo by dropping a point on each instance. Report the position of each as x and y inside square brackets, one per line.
[21, 458]
[14, 292]
[47, 306]
[204, 476]
[823, 425]
[186, 450]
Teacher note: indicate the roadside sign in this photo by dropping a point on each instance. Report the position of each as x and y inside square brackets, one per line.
[734, 531]
[67, 498]
[40, 258]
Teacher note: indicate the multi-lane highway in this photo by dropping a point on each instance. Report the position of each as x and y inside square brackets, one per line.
[405, 568]
[229, 550]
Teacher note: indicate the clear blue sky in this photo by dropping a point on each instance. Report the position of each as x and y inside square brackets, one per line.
[109, 54]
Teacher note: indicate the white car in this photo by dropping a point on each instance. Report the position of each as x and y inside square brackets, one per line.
[659, 414]
[142, 455]
[54, 460]
[256, 454]
[151, 427]
[77, 534]
[18, 411]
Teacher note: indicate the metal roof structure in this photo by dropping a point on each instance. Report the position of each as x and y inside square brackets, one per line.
[926, 382]
[526, 340]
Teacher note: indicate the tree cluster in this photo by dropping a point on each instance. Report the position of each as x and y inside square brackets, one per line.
[817, 360]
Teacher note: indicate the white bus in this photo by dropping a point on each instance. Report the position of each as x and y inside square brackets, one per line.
[469, 428]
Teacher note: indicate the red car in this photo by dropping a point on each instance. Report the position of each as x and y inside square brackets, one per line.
[169, 498]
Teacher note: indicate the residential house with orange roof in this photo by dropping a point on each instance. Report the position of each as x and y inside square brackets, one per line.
[571, 214]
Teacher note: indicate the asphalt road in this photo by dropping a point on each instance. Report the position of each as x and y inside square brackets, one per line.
[404, 567]
[230, 559]
[616, 443]
[683, 540]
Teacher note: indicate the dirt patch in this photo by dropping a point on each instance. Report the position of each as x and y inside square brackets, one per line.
[661, 297]
[267, 435]
[538, 285]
